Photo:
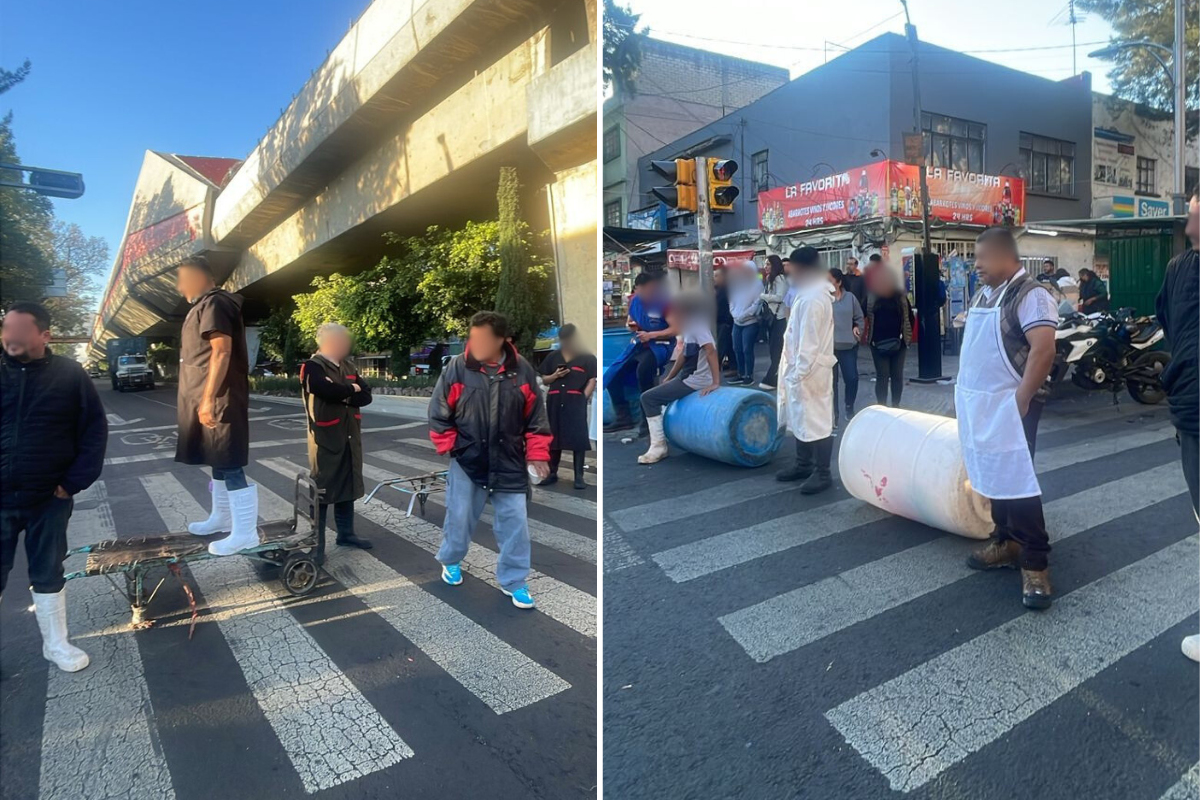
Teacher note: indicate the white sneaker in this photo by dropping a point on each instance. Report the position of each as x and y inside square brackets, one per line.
[219, 520]
[1191, 647]
[243, 507]
[658, 442]
[51, 612]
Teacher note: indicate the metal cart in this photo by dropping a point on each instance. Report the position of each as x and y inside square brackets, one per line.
[418, 488]
[287, 544]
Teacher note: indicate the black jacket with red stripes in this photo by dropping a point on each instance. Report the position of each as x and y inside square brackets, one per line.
[490, 424]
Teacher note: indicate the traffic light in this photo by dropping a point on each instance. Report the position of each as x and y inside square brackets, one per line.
[52, 183]
[721, 191]
[682, 173]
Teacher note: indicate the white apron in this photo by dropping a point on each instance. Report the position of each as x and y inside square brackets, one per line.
[989, 423]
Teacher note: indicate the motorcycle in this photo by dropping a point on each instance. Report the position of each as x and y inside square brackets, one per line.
[1110, 350]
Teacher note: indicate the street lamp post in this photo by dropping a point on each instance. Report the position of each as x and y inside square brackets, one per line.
[1178, 84]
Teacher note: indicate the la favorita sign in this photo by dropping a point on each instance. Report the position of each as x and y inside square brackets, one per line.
[892, 189]
[690, 259]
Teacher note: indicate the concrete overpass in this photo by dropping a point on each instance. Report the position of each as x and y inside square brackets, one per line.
[404, 125]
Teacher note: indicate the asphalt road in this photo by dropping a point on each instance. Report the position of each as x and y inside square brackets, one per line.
[762, 644]
[382, 683]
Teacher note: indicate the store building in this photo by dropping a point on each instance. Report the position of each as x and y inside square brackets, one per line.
[406, 124]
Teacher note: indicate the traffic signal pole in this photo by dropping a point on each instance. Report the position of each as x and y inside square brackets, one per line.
[704, 229]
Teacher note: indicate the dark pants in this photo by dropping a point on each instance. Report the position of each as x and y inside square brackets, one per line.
[644, 364]
[725, 359]
[235, 479]
[658, 398]
[45, 527]
[1021, 519]
[848, 366]
[343, 518]
[778, 328]
[1189, 454]
[889, 369]
[744, 338]
[556, 459]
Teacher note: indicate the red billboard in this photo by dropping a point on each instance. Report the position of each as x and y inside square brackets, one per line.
[892, 189]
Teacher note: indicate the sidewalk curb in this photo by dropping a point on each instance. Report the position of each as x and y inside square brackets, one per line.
[396, 405]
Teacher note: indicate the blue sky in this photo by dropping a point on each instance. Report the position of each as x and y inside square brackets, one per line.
[111, 80]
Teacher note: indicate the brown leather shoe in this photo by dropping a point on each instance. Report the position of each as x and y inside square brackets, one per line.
[996, 555]
[1035, 588]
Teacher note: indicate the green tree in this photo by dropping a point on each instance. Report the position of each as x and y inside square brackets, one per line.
[85, 261]
[1136, 75]
[26, 251]
[514, 298]
[280, 338]
[622, 48]
[10, 78]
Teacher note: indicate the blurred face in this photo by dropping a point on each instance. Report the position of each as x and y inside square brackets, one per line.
[192, 283]
[22, 339]
[994, 264]
[335, 345]
[484, 344]
[1048, 268]
[1192, 230]
[719, 277]
[852, 264]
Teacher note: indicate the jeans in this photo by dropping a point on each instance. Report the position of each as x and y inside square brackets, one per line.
[778, 328]
[744, 337]
[45, 527]
[1021, 519]
[658, 398]
[464, 506]
[235, 479]
[889, 368]
[848, 366]
[645, 365]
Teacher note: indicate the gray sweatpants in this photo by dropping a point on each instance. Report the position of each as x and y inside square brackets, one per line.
[464, 506]
[658, 398]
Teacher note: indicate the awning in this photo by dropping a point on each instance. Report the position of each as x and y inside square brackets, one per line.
[622, 240]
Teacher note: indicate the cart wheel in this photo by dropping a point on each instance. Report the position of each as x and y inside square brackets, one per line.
[299, 574]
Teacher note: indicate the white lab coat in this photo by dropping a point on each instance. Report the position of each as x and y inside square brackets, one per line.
[805, 391]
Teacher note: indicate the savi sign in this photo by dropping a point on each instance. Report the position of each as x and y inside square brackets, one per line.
[891, 189]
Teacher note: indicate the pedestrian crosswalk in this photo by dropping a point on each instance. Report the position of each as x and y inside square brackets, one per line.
[784, 581]
[325, 717]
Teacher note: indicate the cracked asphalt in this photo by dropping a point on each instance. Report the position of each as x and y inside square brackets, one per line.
[383, 682]
[763, 645]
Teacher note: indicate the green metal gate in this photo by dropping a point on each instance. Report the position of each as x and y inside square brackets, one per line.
[1136, 264]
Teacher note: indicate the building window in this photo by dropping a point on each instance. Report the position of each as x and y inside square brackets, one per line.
[954, 143]
[612, 214]
[1145, 175]
[1049, 164]
[612, 143]
[762, 176]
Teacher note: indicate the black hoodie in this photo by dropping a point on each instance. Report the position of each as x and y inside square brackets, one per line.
[1178, 311]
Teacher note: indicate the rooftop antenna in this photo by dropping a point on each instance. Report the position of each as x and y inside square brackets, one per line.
[1070, 16]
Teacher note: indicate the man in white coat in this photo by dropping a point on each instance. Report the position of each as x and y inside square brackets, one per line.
[805, 392]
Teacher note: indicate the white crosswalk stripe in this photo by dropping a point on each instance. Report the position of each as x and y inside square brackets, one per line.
[330, 732]
[618, 554]
[912, 734]
[560, 601]
[495, 672]
[564, 541]
[799, 617]
[112, 750]
[1188, 787]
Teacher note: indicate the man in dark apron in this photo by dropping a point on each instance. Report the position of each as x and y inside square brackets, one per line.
[214, 405]
[334, 394]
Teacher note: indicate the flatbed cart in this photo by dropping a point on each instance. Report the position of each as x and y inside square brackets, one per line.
[418, 488]
[287, 544]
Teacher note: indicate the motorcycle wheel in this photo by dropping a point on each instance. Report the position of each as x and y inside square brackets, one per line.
[1149, 393]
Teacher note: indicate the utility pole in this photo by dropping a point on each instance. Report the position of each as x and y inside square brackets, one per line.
[704, 228]
[925, 266]
[1179, 204]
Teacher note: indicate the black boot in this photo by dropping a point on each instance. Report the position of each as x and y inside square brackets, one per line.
[802, 467]
[555, 459]
[821, 478]
[345, 524]
[580, 483]
[623, 422]
[320, 554]
[350, 540]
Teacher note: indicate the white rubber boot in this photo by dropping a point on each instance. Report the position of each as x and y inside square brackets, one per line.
[243, 507]
[1191, 647]
[219, 520]
[658, 442]
[51, 612]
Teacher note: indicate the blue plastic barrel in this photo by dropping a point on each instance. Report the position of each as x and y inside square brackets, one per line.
[613, 343]
[731, 425]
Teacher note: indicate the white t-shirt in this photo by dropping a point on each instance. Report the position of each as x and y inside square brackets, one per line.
[690, 348]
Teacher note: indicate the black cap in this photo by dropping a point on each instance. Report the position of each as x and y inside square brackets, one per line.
[805, 257]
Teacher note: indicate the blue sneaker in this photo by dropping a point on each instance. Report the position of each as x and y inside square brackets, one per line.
[520, 596]
[452, 574]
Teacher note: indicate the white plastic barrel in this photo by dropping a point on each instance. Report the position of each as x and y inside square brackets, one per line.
[910, 464]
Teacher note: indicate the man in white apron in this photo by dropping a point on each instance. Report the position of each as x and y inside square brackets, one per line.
[1007, 353]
